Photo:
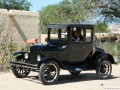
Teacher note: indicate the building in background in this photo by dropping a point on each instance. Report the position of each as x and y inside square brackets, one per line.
[18, 26]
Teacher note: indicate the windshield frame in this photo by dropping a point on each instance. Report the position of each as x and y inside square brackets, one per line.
[59, 34]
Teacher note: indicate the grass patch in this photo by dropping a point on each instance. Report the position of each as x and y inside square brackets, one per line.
[118, 62]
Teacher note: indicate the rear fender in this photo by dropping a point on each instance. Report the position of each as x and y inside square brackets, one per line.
[110, 57]
[103, 56]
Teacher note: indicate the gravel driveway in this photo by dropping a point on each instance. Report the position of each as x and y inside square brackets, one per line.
[87, 80]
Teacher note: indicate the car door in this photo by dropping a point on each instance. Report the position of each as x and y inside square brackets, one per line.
[77, 46]
[79, 51]
[88, 45]
[76, 52]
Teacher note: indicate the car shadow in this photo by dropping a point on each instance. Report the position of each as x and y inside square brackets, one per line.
[32, 78]
[68, 78]
[80, 78]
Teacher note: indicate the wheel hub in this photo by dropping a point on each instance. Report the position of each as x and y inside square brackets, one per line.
[104, 69]
[49, 73]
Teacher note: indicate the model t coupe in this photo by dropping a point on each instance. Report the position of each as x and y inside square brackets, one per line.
[70, 47]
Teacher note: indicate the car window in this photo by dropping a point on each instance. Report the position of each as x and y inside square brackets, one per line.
[88, 35]
[63, 33]
[58, 33]
[77, 34]
[53, 33]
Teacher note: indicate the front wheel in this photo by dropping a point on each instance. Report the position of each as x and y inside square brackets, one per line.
[104, 69]
[49, 72]
[20, 72]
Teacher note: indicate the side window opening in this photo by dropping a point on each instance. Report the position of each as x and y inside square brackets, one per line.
[64, 34]
[88, 35]
[77, 34]
[56, 33]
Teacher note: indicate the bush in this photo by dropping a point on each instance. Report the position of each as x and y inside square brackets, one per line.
[6, 52]
[6, 55]
[118, 62]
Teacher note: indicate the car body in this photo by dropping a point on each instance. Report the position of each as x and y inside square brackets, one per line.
[62, 51]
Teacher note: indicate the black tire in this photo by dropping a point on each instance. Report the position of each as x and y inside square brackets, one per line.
[20, 72]
[75, 72]
[49, 72]
[104, 69]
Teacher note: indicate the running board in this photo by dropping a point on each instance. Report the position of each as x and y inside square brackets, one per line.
[78, 68]
[24, 65]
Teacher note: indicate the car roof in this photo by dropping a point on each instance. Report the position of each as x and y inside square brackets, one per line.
[69, 25]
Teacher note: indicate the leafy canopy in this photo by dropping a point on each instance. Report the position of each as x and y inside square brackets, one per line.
[111, 10]
[67, 11]
[15, 4]
[101, 27]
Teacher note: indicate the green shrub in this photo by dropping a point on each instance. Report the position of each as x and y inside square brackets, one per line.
[6, 51]
[118, 62]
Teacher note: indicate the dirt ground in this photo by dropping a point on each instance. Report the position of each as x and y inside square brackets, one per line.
[87, 80]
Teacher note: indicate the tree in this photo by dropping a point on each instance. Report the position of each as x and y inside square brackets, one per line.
[111, 10]
[15, 4]
[48, 15]
[101, 27]
[67, 11]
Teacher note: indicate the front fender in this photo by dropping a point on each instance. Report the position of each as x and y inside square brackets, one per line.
[44, 59]
[19, 55]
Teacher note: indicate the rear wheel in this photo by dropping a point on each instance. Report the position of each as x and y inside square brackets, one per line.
[18, 71]
[75, 72]
[104, 69]
[49, 72]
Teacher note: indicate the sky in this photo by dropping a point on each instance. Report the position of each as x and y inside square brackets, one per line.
[39, 4]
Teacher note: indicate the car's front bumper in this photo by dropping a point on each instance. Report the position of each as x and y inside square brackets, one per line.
[24, 65]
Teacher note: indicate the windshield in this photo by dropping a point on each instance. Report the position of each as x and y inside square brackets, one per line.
[56, 34]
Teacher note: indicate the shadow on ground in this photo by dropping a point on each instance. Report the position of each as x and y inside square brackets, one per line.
[67, 78]
[80, 78]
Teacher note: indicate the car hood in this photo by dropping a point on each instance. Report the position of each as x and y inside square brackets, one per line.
[47, 47]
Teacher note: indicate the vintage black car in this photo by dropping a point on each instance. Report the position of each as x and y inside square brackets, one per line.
[70, 47]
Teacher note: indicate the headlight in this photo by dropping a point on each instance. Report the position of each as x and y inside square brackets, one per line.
[26, 56]
[38, 57]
